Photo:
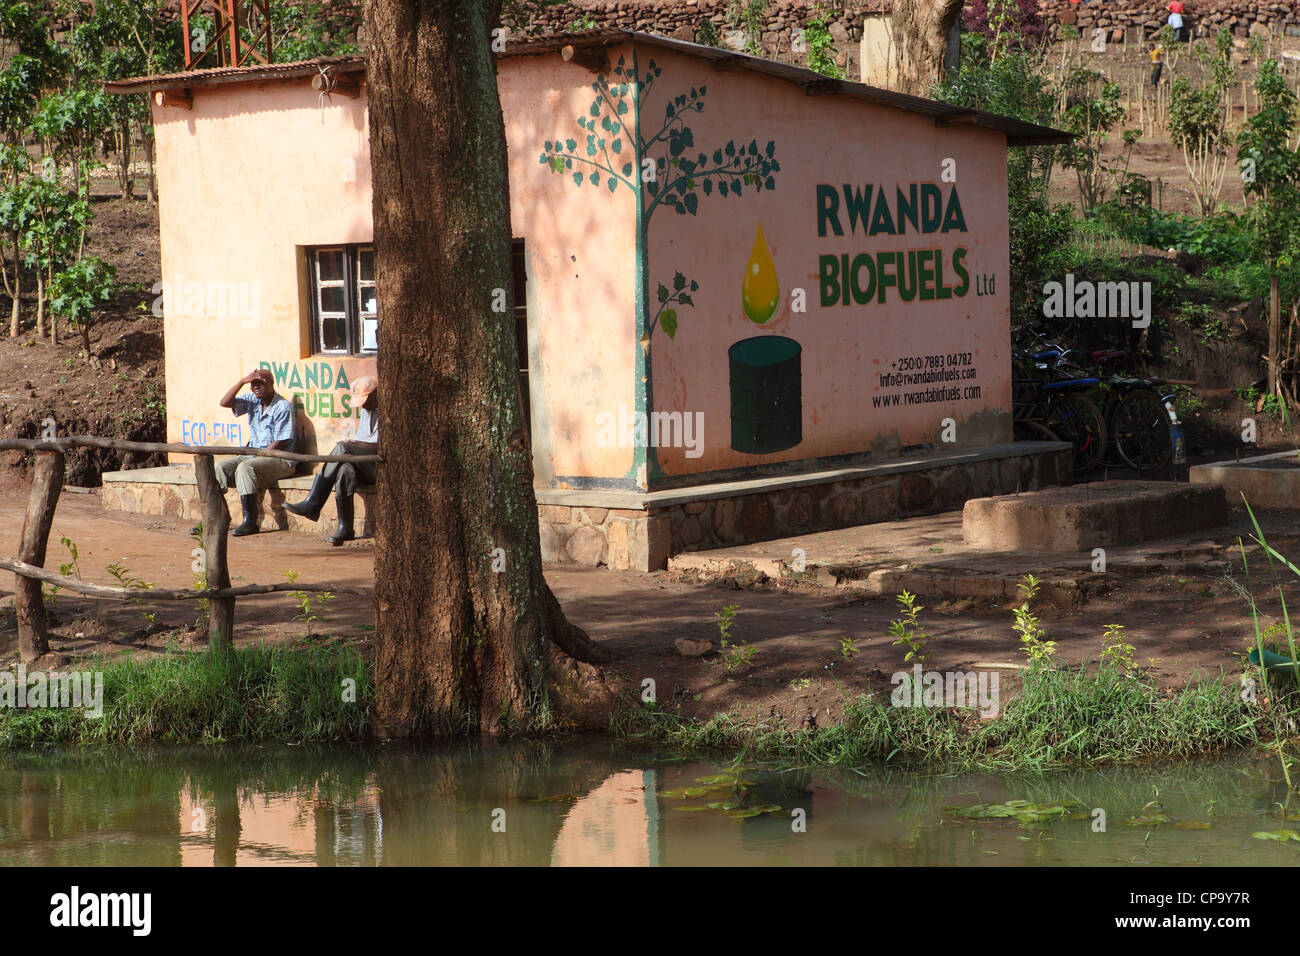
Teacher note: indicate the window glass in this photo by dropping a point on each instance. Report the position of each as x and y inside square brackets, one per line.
[330, 265]
[334, 333]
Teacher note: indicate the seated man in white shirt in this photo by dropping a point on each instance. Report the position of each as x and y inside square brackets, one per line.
[346, 475]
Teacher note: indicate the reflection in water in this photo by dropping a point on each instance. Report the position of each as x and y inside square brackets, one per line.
[589, 803]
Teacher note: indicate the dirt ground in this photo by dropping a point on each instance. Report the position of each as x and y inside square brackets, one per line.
[1184, 617]
[121, 392]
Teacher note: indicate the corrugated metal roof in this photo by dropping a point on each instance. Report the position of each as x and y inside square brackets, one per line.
[1018, 132]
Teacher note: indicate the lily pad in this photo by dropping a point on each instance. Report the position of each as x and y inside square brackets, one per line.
[690, 807]
[557, 798]
[684, 793]
[1194, 825]
[717, 778]
[1147, 820]
[1020, 810]
[1280, 835]
[725, 805]
[743, 813]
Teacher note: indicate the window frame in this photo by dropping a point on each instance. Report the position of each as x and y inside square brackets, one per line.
[352, 310]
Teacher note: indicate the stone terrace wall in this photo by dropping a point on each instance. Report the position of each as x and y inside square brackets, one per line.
[1242, 17]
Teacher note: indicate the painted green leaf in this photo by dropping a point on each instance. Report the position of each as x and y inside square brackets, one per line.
[668, 110]
[695, 286]
[679, 283]
[770, 183]
[627, 169]
[622, 107]
[617, 145]
[570, 144]
[771, 148]
[669, 322]
[708, 187]
[613, 183]
[717, 156]
[692, 203]
[595, 178]
[1281, 836]
[595, 108]
[730, 148]
[577, 179]
[685, 299]
[722, 188]
[547, 146]
[663, 292]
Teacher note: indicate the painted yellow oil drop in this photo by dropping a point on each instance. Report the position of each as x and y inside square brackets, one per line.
[760, 291]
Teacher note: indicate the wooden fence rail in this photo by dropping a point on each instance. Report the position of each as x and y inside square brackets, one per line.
[47, 482]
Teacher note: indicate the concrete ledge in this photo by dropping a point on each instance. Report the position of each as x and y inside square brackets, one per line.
[1097, 515]
[1265, 481]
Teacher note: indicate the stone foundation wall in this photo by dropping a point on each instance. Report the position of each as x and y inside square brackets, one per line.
[182, 501]
[643, 540]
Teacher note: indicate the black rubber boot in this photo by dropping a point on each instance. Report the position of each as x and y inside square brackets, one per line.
[310, 506]
[249, 504]
[344, 530]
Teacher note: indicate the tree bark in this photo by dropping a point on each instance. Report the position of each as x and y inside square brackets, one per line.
[47, 482]
[461, 647]
[1274, 333]
[926, 42]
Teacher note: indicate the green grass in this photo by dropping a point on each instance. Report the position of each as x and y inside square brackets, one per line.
[256, 694]
[1092, 716]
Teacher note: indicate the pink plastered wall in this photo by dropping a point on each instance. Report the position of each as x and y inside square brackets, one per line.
[830, 140]
[254, 172]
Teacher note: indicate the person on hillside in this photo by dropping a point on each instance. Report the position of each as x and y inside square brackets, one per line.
[346, 475]
[1176, 18]
[271, 426]
[1157, 65]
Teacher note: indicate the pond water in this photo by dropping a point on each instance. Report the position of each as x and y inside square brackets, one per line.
[595, 803]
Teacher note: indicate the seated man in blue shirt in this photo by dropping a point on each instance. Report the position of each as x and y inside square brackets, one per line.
[346, 474]
[271, 425]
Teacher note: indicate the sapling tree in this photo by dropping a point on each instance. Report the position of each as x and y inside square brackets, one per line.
[76, 291]
[1270, 170]
[1092, 110]
[55, 227]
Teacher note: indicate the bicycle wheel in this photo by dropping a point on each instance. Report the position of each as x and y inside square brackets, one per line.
[1142, 433]
[1078, 421]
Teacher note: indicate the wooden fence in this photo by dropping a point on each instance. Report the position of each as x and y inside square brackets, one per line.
[33, 625]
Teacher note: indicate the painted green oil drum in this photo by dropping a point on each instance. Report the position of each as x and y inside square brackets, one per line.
[766, 394]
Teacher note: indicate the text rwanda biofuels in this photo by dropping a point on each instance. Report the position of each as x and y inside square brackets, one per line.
[917, 274]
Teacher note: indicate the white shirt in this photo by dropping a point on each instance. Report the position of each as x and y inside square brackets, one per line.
[368, 427]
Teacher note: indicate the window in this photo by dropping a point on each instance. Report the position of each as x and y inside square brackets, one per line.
[344, 309]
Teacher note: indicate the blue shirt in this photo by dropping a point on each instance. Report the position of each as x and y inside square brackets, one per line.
[267, 423]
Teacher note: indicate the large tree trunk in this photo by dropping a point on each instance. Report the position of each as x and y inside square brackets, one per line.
[926, 42]
[460, 647]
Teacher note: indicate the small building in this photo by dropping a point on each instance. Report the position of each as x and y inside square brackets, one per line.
[752, 301]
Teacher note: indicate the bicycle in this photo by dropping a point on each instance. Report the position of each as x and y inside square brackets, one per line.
[1061, 410]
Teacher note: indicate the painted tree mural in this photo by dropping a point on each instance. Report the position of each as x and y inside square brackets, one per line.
[662, 171]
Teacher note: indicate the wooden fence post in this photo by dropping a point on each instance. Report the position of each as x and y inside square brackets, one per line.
[33, 628]
[216, 522]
